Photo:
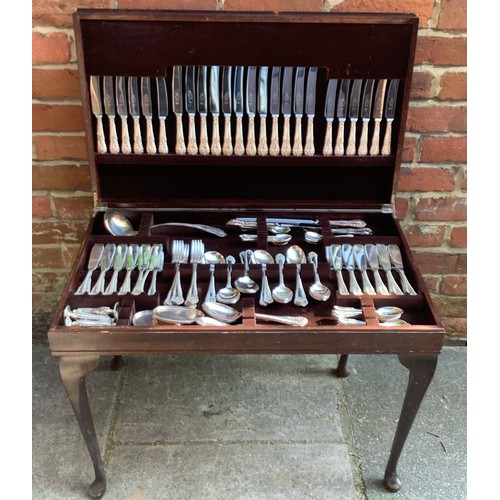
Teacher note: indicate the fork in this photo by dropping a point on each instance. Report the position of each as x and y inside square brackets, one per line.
[197, 252]
[180, 254]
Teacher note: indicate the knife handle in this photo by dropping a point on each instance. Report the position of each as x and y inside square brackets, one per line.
[375, 147]
[204, 147]
[114, 147]
[386, 147]
[101, 141]
[126, 148]
[239, 146]
[297, 138]
[309, 147]
[274, 148]
[138, 147]
[180, 145]
[367, 286]
[351, 142]
[263, 150]
[339, 145]
[227, 146]
[215, 148]
[392, 285]
[150, 137]
[353, 284]
[363, 141]
[192, 147]
[162, 141]
[379, 284]
[328, 146]
[251, 149]
[405, 284]
[341, 283]
[286, 148]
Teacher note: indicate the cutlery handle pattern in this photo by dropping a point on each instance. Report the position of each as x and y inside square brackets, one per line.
[274, 148]
[162, 141]
[227, 147]
[392, 285]
[309, 147]
[251, 149]
[353, 284]
[114, 147]
[367, 286]
[239, 146]
[125, 288]
[386, 147]
[152, 286]
[204, 146]
[379, 284]
[286, 148]
[86, 284]
[300, 298]
[351, 142]
[192, 147]
[150, 137]
[363, 141]
[138, 147]
[297, 149]
[263, 150]
[339, 145]
[101, 141]
[215, 148]
[180, 145]
[405, 284]
[341, 283]
[113, 282]
[126, 147]
[328, 148]
[375, 146]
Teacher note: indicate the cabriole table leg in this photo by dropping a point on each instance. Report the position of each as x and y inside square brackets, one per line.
[421, 372]
[73, 371]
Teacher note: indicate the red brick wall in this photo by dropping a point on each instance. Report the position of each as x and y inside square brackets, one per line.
[432, 190]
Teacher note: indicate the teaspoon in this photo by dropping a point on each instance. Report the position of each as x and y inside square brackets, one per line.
[295, 255]
[212, 258]
[229, 294]
[245, 284]
[263, 258]
[281, 293]
[317, 290]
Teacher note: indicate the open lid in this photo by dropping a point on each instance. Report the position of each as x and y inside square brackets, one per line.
[342, 46]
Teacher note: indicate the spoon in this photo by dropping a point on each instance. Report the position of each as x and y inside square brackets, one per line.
[295, 255]
[281, 293]
[212, 257]
[317, 290]
[313, 237]
[263, 258]
[229, 294]
[245, 284]
[208, 321]
[221, 312]
[386, 313]
[276, 239]
[278, 228]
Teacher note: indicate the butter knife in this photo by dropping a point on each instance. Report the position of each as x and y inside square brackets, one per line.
[354, 103]
[378, 108]
[180, 145]
[334, 258]
[341, 116]
[366, 109]
[161, 88]
[190, 91]
[106, 263]
[135, 112]
[147, 111]
[239, 146]
[274, 106]
[390, 112]
[251, 106]
[262, 109]
[329, 115]
[121, 107]
[397, 262]
[96, 104]
[310, 109]
[348, 260]
[94, 261]
[360, 259]
[372, 258]
[203, 109]
[109, 108]
[385, 261]
[286, 110]
[215, 147]
[298, 110]
[227, 109]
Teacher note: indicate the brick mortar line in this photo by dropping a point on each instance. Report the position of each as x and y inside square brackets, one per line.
[441, 68]
[62, 193]
[56, 163]
[49, 29]
[61, 101]
[435, 102]
[441, 33]
[431, 165]
[436, 10]
[58, 133]
[53, 66]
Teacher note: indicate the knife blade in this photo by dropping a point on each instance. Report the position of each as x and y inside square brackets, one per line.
[110, 109]
[227, 109]
[298, 109]
[390, 112]
[354, 104]
[161, 89]
[96, 104]
[239, 146]
[121, 107]
[348, 260]
[366, 109]
[262, 109]
[177, 102]
[385, 262]
[378, 107]
[373, 264]
[274, 107]
[202, 103]
[147, 111]
[286, 109]
[360, 259]
[251, 106]
[397, 262]
[310, 110]
[215, 147]
[331, 94]
[135, 112]
[342, 115]
[190, 92]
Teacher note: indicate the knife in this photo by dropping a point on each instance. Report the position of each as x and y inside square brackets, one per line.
[109, 108]
[334, 258]
[180, 145]
[298, 109]
[378, 107]
[227, 109]
[121, 107]
[262, 109]
[331, 93]
[190, 91]
[341, 116]
[147, 111]
[360, 259]
[348, 259]
[354, 102]
[397, 262]
[135, 112]
[105, 264]
[286, 109]
[250, 104]
[366, 109]
[310, 110]
[161, 88]
[95, 101]
[203, 109]
[372, 257]
[274, 105]
[239, 146]
[94, 261]
[385, 261]
[390, 111]
[215, 148]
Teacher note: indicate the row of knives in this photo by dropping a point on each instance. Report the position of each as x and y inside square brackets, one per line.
[238, 92]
